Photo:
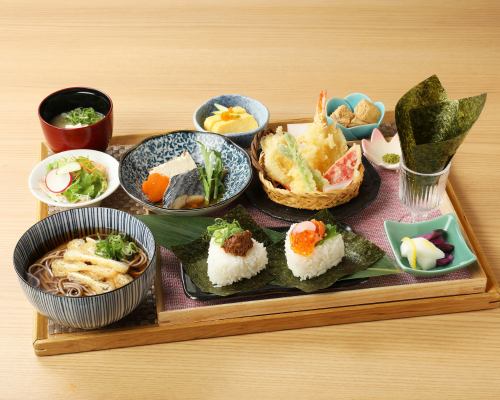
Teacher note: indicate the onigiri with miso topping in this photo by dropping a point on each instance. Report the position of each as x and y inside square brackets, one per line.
[233, 255]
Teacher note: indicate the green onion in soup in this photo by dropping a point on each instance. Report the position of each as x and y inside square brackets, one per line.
[77, 118]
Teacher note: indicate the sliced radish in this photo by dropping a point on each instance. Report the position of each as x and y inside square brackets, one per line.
[56, 182]
[304, 226]
[72, 166]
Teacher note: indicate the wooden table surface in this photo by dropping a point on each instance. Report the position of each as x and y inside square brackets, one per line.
[158, 62]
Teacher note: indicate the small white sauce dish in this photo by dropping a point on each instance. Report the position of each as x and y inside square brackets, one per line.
[375, 148]
[38, 173]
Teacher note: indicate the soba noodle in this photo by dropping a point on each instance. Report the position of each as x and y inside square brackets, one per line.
[40, 273]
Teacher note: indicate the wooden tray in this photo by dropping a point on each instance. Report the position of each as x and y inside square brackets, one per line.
[478, 292]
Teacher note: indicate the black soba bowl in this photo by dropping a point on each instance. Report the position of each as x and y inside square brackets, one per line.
[88, 312]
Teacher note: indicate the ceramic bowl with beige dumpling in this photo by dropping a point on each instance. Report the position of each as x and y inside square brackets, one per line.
[356, 114]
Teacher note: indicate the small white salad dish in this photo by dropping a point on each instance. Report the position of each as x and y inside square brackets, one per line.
[59, 178]
[375, 149]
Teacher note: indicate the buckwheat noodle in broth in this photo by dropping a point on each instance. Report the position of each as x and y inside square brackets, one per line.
[41, 275]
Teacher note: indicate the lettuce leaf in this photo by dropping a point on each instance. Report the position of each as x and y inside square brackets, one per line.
[60, 162]
[88, 183]
[331, 231]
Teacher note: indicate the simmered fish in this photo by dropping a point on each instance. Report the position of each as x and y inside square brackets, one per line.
[185, 191]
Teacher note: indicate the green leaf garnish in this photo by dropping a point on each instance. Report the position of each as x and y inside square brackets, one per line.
[222, 230]
[330, 231]
[116, 247]
[60, 162]
[211, 173]
[88, 183]
[84, 116]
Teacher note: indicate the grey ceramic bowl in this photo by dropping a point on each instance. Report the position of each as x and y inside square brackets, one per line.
[254, 107]
[138, 161]
[92, 311]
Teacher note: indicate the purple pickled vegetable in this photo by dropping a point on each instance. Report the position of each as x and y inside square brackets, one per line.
[435, 234]
[442, 245]
[438, 238]
[445, 260]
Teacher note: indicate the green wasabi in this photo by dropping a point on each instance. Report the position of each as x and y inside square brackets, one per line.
[391, 158]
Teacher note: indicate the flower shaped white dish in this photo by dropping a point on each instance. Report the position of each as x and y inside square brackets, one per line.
[375, 148]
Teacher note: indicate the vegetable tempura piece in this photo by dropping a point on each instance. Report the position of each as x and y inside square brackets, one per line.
[286, 165]
[277, 162]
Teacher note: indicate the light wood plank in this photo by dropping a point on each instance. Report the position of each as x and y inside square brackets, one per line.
[158, 60]
[81, 341]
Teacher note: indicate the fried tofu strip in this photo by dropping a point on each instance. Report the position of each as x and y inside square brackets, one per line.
[86, 246]
[122, 279]
[75, 244]
[96, 286]
[77, 255]
[61, 268]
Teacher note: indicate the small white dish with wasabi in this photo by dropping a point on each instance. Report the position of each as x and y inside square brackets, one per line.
[381, 152]
[74, 178]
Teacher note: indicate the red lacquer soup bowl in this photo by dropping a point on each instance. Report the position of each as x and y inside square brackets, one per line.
[95, 136]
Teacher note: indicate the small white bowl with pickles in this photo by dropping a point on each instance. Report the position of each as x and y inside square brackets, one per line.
[253, 107]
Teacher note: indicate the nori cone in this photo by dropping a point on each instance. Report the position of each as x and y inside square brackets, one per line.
[431, 127]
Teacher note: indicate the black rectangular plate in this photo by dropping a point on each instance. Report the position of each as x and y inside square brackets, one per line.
[192, 291]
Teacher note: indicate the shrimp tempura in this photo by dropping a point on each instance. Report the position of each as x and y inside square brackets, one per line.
[322, 144]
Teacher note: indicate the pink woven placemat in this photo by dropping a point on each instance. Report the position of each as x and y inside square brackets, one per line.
[368, 223]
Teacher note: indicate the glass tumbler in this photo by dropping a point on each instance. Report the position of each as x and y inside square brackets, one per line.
[421, 193]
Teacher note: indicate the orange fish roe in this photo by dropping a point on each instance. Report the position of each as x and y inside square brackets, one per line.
[303, 242]
[320, 227]
[154, 187]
